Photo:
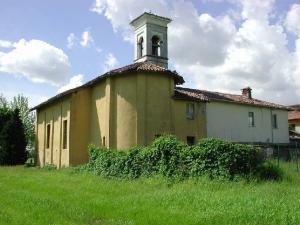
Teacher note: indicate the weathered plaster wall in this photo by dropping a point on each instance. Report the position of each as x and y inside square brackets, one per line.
[123, 112]
[98, 118]
[186, 127]
[131, 109]
[53, 115]
[230, 121]
[80, 126]
[159, 106]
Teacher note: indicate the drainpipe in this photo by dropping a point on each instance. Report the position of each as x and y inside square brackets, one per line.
[272, 134]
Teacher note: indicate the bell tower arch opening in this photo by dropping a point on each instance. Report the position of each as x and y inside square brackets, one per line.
[151, 39]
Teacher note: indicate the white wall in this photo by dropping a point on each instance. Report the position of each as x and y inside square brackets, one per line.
[230, 121]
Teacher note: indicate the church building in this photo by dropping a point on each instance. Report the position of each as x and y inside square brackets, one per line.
[134, 104]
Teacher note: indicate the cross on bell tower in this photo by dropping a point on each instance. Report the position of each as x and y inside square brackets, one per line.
[151, 39]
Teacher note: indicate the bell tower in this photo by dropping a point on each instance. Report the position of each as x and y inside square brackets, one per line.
[151, 39]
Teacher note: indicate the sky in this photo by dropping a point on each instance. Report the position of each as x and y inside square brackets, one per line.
[49, 46]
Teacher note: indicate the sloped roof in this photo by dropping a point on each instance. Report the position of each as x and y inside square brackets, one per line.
[295, 107]
[202, 95]
[294, 115]
[135, 67]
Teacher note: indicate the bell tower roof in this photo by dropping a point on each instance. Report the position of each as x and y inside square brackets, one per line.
[151, 39]
[150, 16]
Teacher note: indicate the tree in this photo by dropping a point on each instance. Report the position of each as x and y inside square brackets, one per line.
[20, 102]
[3, 102]
[12, 138]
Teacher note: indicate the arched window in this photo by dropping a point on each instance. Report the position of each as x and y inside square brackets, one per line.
[156, 46]
[140, 47]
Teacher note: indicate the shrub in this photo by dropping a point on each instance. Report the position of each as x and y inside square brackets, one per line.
[219, 158]
[12, 138]
[171, 158]
[166, 155]
[269, 171]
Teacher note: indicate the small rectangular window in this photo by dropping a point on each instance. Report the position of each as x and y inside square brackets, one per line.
[65, 134]
[274, 121]
[190, 111]
[48, 130]
[251, 121]
[190, 140]
[103, 141]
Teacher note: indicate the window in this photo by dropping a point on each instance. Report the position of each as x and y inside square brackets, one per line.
[103, 141]
[48, 130]
[140, 47]
[156, 46]
[190, 140]
[251, 122]
[274, 121]
[65, 134]
[190, 111]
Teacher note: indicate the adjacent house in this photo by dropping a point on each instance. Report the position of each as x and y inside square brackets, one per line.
[294, 118]
[134, 104]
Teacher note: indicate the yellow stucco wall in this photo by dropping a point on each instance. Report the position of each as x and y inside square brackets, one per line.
[158, 115]
[131, 109]
[40, 137]
[190, 127]
[122, 111]
[98, 116]
[80, 126]
[52, 115]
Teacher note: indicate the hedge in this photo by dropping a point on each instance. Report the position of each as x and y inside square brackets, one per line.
[169, 157]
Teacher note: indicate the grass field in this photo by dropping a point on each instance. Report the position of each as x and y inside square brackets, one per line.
[36, 196]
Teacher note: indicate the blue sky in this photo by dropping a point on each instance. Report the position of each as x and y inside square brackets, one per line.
[216, 45]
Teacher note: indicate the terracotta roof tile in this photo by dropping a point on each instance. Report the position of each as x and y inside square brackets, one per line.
[135, 67]
[202, 95]
[294, 115]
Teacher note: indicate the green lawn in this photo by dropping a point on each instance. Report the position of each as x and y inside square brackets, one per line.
[35, 196]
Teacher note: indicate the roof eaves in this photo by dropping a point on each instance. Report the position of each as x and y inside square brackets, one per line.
[223, 96]
[132, 68]
[250, 104]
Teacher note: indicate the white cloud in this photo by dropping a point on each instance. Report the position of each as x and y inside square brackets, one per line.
[36, 60]
[257, 56]
[206, 37]
[257, 9]
[120, 12]
[98, 6]
[71, 40]
[5, 44]
[293, 19]
[74, 82]
[86, 39]
[110, 62]
[217, 53]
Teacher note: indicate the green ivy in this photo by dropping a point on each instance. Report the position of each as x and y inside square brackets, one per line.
[169, 157]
